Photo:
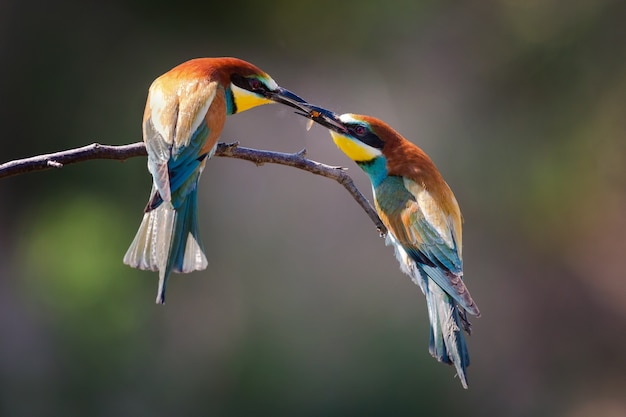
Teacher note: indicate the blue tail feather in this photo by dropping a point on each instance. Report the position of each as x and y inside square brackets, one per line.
[168, 241]
[186, 252]
[447, 341]
[185, 227]
[447, 318]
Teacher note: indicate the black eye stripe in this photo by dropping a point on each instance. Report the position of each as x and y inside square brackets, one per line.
[250, 84]
[365, 135]
[238, 80]
[372, 140]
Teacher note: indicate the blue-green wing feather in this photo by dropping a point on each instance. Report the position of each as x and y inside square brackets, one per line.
[435, 248]
[421, 240]
[184, 168]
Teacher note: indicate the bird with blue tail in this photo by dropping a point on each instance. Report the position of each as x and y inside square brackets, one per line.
[184, 116]
[423, 220]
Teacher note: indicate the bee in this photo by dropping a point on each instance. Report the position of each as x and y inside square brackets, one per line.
[313, 114]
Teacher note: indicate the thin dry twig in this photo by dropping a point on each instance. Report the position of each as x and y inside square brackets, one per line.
[230, 150]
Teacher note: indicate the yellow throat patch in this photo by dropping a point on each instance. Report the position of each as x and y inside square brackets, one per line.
[245, 99]
[354, 149]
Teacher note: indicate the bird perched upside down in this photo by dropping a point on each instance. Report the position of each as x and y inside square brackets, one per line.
[184, 117]
[423, 221]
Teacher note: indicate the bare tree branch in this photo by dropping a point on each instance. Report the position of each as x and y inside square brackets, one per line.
[231, 150]
[72, 156]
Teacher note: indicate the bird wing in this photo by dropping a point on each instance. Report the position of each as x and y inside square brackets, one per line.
[175, 131]
[432, 238]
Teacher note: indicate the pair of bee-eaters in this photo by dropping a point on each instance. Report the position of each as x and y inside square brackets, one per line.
[184, 117]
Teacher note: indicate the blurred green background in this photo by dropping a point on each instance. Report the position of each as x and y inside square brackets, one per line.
[303, 311]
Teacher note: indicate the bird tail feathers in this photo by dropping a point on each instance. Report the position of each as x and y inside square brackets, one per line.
[447, 341]
[167, 241]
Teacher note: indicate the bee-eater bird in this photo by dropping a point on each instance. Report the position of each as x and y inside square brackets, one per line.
[423, 221]
[184, 117]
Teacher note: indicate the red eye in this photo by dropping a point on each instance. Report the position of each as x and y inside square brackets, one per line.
[359, 130]
[255, 84]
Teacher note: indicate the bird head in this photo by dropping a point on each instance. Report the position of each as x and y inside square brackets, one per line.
[381, 151]
[250, 87]
[356, 135]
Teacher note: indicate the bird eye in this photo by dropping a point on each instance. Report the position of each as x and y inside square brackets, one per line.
[255, 84]
[359, 130]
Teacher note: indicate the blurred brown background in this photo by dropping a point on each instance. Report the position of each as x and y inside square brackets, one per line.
[303, 311]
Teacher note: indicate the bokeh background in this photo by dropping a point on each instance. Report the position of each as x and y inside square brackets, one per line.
[303, 311]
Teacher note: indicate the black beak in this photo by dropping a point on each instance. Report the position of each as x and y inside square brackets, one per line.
[326, 118]
[284, 96]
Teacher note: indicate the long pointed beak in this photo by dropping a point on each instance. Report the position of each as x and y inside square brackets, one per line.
[326, 118]
[284, 96]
